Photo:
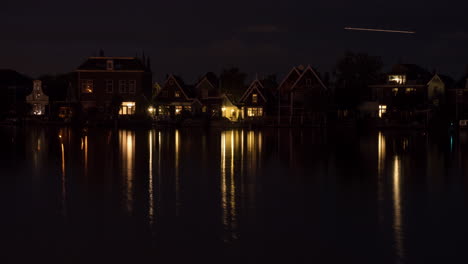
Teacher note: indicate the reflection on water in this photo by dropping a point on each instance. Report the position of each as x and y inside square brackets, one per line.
[397, 207]
[127, 154]
[64, 135]
[177, 170]
[254, 191]
[228, 184]
[150, 179]
[381, 165]
[396, 183]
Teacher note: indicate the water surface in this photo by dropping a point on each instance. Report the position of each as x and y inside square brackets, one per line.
[233, 196]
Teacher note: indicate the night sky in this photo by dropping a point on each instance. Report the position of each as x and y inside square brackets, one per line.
[192, 37]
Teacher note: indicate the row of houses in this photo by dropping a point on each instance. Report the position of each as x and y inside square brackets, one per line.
[122, 87]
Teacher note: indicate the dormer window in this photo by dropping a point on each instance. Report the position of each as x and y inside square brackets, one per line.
[254, 98]
[177, 94]
[110, 65]
[397, 79]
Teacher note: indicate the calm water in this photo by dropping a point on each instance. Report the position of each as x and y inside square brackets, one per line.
[232, 196]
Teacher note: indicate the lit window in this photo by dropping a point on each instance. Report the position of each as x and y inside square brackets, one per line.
[178, 109]
[132, 86]
[397, 79]
[254, 98]
[395, 91]
[410, 90]
[122, 86]
[110, 65]
[254, 111]
[163, 110]
[38, 109]
[127, 108]
[177, 94]
[382, 110]
[87, 86]
[109, 86]
[188, 108]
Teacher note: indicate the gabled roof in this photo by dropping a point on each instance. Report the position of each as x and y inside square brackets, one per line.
[255, 85]
[187, 90]
[309, 68]
[293, 70]
[211, 78]
[120, 64]
[447, 80]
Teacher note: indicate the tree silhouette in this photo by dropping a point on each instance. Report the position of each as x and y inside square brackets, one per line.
[354, 73]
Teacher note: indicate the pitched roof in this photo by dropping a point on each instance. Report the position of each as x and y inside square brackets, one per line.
[120, 64]
[447, 80]
[211, 78]
[293, 70]
[309, 68]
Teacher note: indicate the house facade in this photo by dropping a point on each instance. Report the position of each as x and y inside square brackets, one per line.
[303, 96]
[38, 100]
[457, 100]
[255, 101]
[103, 82]
[408, 93]
[176, 99]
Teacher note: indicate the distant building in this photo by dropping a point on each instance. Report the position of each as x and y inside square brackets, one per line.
[256, 101]
[208, 92]
[303, 96]
[175, 98]
[103, 81]
[457, 99]
[409, 93]
[38, 100]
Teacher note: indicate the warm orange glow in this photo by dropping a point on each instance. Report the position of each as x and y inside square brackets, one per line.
[127, 152]
[228, 184]
[397, 79]
[150, 179]
[177, 175]
[127, 108]
[382, 110]
[397, 216]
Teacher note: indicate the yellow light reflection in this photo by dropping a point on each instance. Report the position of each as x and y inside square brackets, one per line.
[397, 217]
[85, 143]
[177, 176]
[127, 151]
[150, 179]
[381, 164]
[228, 184]
[63, 181]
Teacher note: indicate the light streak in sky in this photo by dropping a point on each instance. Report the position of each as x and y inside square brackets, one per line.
[380, 30]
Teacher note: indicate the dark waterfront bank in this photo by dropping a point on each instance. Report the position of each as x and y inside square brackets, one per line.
[190, 194]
